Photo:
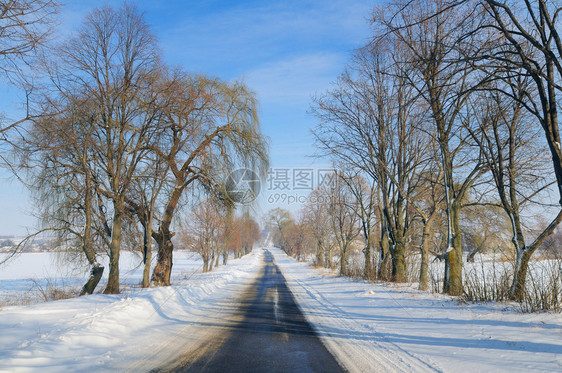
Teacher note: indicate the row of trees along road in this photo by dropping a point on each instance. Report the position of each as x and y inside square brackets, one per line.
[115, 138]
[452, 103]
[212, 232]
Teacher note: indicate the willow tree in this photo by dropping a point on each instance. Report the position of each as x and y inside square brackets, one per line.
[210, 128]
[107, 66]
[56, 155]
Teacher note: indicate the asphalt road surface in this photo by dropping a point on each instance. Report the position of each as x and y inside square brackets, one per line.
[268, 334]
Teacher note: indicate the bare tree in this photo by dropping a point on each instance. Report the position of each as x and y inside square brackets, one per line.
[371, 123]
[56, 155]
[315, 216]
[250, 232]
[516, 162]
[365, 207]
[433, 32]
[344, 221]
[278, 221]
[530, 45]
[203, 230]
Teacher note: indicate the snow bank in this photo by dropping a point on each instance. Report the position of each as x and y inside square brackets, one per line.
[136, 332]
[383, 328]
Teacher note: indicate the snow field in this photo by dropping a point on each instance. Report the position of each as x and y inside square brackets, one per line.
[23, 277]
[394, 328]
[133, 332]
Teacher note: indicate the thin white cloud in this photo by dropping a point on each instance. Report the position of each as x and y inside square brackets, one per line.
[293, 81]
[245, 36]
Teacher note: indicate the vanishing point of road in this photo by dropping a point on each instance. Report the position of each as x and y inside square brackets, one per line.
[269, 334]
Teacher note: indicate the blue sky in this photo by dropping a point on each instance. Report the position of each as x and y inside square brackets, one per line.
[286, 51]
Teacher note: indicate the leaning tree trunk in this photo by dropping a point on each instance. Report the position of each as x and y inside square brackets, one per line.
[520, 277]
[517, 291]
[163, 269]
[95, 276]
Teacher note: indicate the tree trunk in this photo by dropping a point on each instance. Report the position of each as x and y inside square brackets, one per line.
[147, 253]
[95, 276]
[384, 247]
[114, 251]
[343, 262]
[524, 255]
[96, 271]
[399, 263]
[518, 287]
[224, 257]
[163, 269]
[319, 256]
[424, 249]
[424, 280]
[146, 270]
[368, 269]
[454, 257]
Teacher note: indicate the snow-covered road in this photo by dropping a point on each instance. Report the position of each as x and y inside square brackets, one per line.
[381, 328]
[267, 334]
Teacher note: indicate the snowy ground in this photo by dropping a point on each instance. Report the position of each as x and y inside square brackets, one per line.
[136, 331]
[368, 327]
[380, 328]
[26, 277]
